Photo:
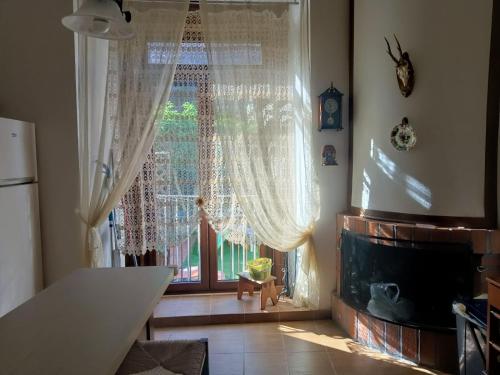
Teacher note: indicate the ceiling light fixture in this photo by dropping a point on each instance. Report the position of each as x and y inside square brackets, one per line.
[103, 19]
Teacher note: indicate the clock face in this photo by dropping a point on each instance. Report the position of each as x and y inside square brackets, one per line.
[331, 106]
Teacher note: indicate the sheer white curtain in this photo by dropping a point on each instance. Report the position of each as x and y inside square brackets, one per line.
[184, 171]
[259, 61]
[136, 91]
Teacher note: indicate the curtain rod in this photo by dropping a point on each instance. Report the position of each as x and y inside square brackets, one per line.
[232, 2]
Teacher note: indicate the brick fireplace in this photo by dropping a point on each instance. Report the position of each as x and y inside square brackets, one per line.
[431, 348]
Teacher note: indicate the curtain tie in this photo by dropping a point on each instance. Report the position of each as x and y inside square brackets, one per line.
[94, 242]
[95, 246]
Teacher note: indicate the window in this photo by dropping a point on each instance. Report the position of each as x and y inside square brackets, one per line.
[185, 161]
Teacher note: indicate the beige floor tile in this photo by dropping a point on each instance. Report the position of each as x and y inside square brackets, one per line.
[251, 304]
[226, 364]
[227, 306]
[313, 363]
[181, 321]
[183, 306]
[266, 364]
[222, 297]
[302, 342]
[261, 342]
[296, 347]
[187, 333]
[228, 329]
[161, 334]
[267, 328]
[226, 344]
[333, 343]
[301, 336]
[227, 341]
[298, 326]
[313, 341]
[201, 305]
[354, 364]
[330, 328]
[287, 305]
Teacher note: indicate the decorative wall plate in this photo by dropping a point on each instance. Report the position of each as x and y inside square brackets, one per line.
[403, 136]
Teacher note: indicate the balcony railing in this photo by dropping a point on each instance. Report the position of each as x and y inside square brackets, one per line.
[186, 253]
[231, 258]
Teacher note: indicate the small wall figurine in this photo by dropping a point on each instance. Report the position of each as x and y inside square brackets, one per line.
[404, 69]
[329, 155]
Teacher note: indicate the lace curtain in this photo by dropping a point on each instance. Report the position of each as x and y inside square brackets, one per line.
[185, 162]
[139, 211]
[93, 137]
[259, 61]
[135, 91]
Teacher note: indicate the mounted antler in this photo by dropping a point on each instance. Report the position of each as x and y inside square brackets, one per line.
[399, 47]
[390, 52]
[404, 68]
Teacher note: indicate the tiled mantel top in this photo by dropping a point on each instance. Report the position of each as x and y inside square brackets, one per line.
[484, 241]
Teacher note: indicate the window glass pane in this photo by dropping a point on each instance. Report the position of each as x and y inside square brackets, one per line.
[177, 181]
[233, 258]
[186, 255]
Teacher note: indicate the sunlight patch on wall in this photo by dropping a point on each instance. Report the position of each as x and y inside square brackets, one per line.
[419, 192]
[386, 165]
[415, 189]
[365, 195]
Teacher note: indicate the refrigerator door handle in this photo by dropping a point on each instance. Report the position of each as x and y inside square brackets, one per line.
[16, 181]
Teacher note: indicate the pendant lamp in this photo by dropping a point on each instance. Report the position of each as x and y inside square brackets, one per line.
[103, 19]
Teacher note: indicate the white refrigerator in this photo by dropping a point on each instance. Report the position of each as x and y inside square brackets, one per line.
[20, 245]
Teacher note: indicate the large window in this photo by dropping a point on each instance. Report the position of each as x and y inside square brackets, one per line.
[184, 163]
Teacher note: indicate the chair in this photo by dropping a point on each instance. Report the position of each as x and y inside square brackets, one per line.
[187, 357]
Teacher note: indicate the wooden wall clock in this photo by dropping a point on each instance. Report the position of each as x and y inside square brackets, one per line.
[330, 109]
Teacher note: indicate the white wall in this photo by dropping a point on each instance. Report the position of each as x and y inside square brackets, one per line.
[37, 84]
[330, 63]
[448, 42]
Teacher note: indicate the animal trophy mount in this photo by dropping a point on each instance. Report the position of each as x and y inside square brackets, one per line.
[404, 69]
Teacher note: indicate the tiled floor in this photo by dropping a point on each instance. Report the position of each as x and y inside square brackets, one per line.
[300, 347]
[198, 309]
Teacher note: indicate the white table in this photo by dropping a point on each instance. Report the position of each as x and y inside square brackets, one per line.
[83, 324]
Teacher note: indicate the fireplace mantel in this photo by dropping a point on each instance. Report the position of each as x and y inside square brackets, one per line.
[429, 348]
